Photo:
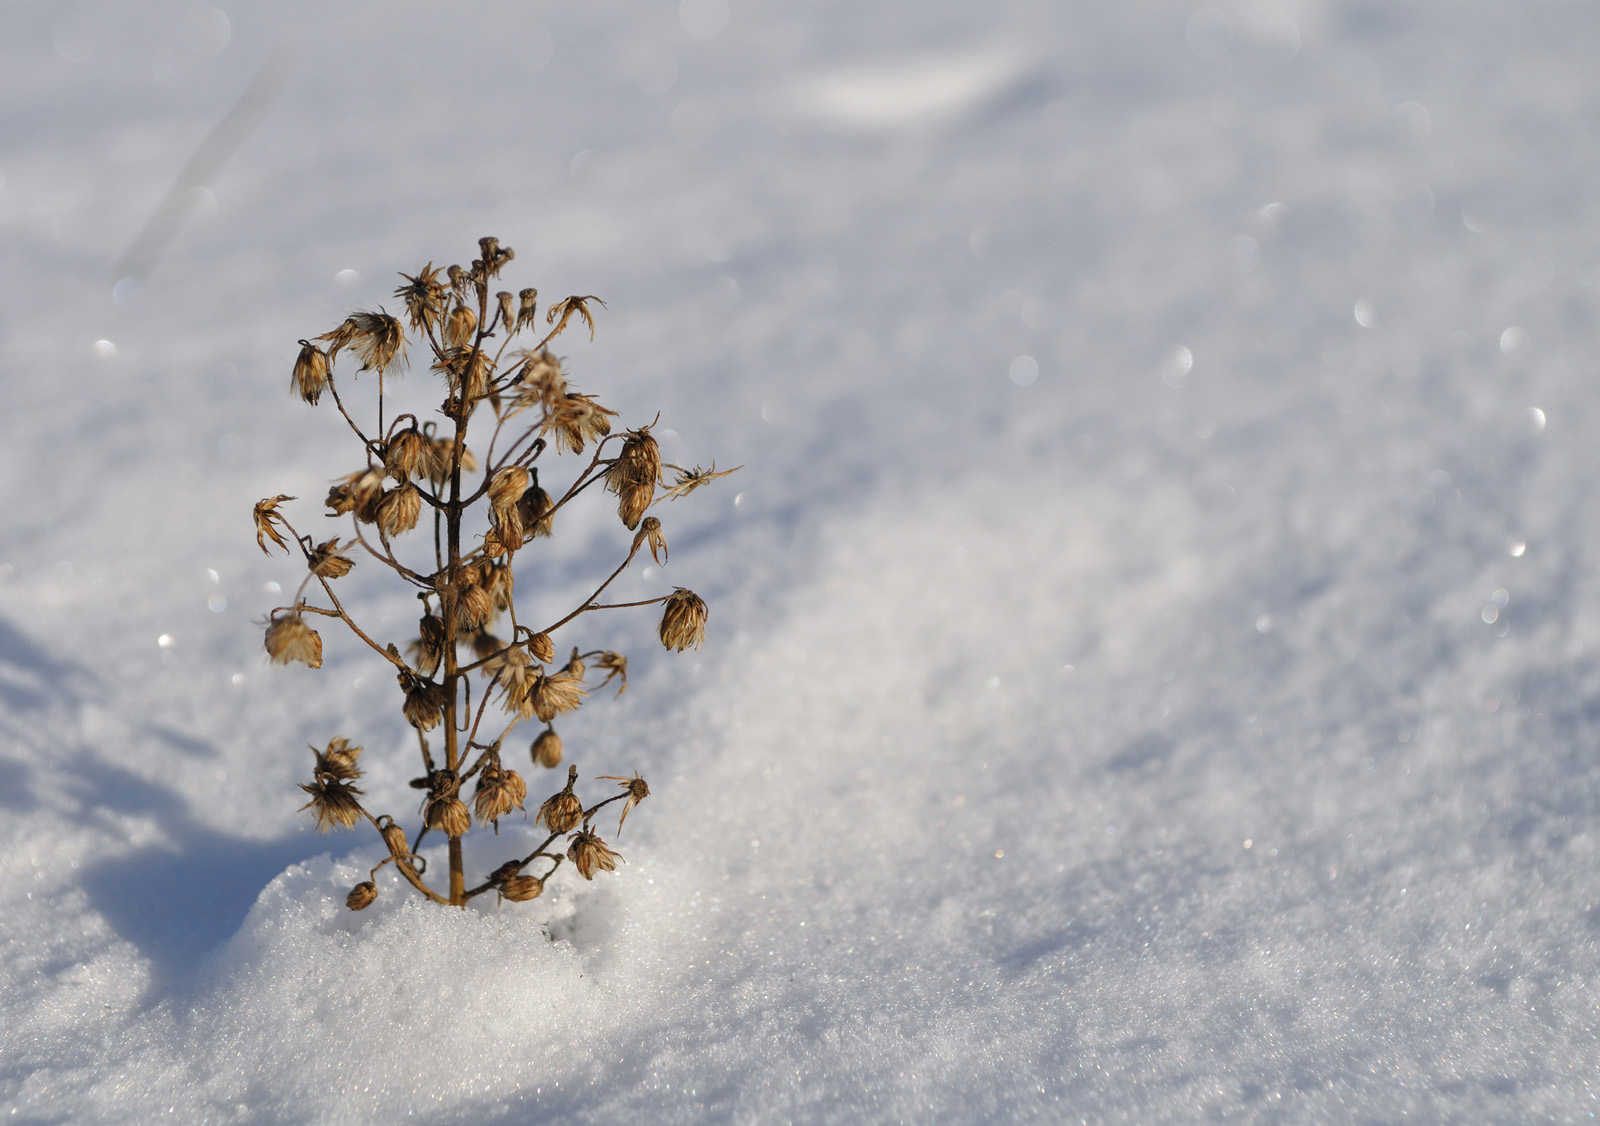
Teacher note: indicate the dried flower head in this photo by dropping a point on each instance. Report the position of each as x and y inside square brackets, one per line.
[424, 296]
[289, 639]
[267, 518]
[425, 701]
[560, 812]
[550, 695]
[428, 650]
[333, 801]
[686, 481]
[507, 486]
[310, 378]
[615, 666]
[508, 311]
[575, 666]
[590, 854]
[546, 749]
[543, 648]
[395, 837]
[576, 420]
[328, 562]
[362, 896]
[564, 310]
[459, 326]
[475, 608]
[650, 532]
[637, 792]
[399, 509]
[683, 620]
[536, 511]
[338, 760]
[499, 792]
[520, 889]
[448, 815]
[409, 454]
[379, 341]
[527, 308]
[639, 463]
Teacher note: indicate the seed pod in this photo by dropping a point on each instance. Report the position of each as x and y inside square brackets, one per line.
[409, 455]
[497, 794]
[560, 812]
[474, 609]
[378, 339]
[425, 700]
[683, 621]
[508, 311]
[428, 650]
[650, 532]
[632, 503]
[543, 648]
[290, 639]
[362, 896]
[638, 465]
[459, 325]
[590, 854]
[520, 889]
[338, 760]
[537, 511]
[546, 749]
[334, 803]
[395, 837]
[549, 696]
[327, 562]
[399, 509]
[448, 815]
[310, 377]
[507, 486]
[527, 308]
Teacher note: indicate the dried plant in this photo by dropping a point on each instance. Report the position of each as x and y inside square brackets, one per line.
[483, 511]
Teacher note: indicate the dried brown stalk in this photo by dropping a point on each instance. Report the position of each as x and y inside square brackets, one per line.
[412, 509]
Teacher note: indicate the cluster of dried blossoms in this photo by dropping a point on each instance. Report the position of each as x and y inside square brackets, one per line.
[482, 512]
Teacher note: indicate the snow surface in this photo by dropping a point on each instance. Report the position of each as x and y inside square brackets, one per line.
[1154, 671]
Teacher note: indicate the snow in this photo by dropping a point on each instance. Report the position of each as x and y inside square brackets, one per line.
[1152, 672]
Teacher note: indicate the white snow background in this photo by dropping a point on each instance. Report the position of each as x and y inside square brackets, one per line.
[1154, 664]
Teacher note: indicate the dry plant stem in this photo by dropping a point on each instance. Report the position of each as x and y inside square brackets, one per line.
[409, 465]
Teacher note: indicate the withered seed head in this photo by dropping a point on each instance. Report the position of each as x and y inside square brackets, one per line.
[520, 889]
[408, 455]
[650, 532]
[499, 792]
[536, 510]
[616, 665]
[637, 792]
[395, 837]
[575, 666]
[425, 700]
[546, 749]
[632, 504]
[327, 562]
[266, 517]
[508, 311]
[459, 326]
[683, 621]
[424, 296]
[543, 648]
[639, 463]
[448, 815]
[428, 650]
[549, 696]
[378, 340]
[290, 639]
[475, 609]
[334, 803]
[338, 760]
[362, 896]
[560, 812]
[527, 308]
[567, 307]
[507, 486]
[399, 509]
[590, 854]
[310, 377]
